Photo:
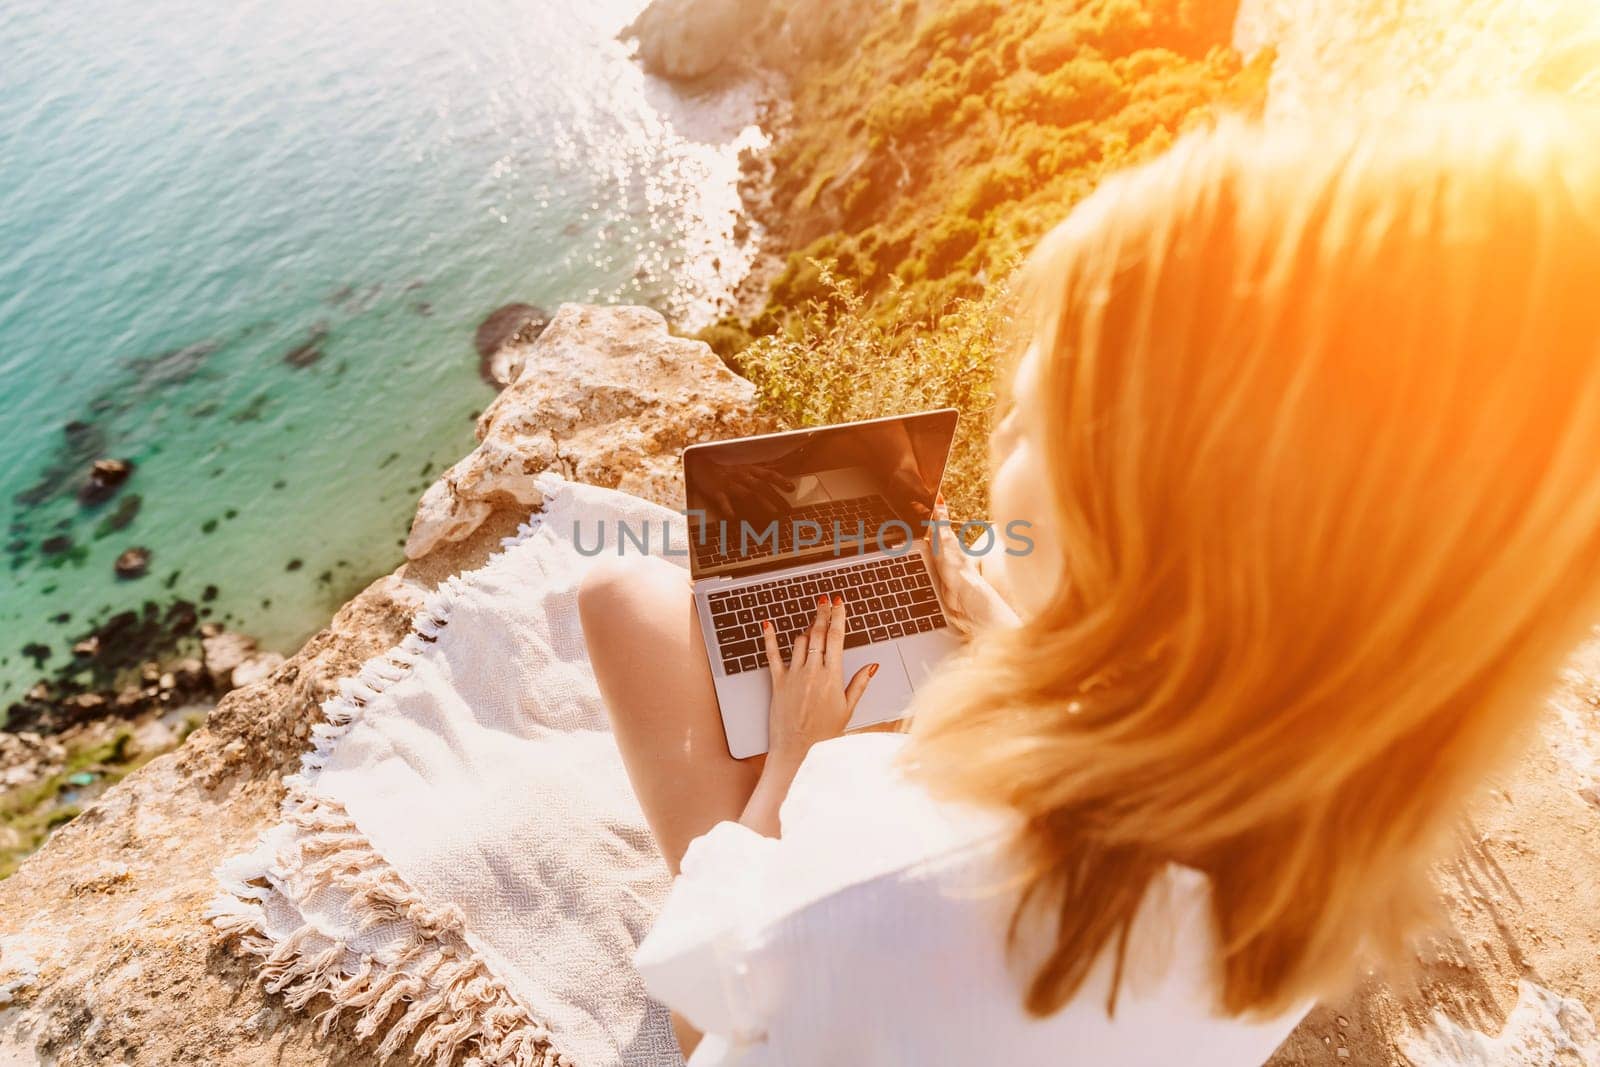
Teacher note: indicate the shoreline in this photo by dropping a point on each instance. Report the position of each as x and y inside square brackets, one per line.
[99, 695]
[289, 384]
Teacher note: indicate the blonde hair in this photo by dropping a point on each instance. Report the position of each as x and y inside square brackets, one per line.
[1321, 422]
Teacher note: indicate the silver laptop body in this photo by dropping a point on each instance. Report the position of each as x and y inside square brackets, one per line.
[776, 521]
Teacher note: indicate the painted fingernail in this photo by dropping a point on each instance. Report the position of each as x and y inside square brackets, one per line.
[838, 600]
[872, 670]
[822, 600]
[766, 624]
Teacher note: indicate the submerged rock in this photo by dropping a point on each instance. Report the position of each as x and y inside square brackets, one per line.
[132, 661]
[506, 327]
[121, 517]
[309, 351]
[174, 366]
[304, 355]
[56, 545]
[81, 443]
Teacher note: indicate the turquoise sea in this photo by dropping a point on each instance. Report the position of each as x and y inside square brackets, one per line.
[190, 192]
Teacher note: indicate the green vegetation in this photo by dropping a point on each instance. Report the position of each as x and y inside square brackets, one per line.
[919, 170]
[835, 361]
[28, 813]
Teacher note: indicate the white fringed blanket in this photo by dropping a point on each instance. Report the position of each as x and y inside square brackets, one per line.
[461, 867]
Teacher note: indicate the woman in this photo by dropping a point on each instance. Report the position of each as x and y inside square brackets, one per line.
[1308, 430]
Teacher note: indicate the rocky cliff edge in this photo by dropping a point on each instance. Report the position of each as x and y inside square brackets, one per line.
[104, 956]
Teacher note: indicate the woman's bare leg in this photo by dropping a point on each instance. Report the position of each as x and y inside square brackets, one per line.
[650, 660]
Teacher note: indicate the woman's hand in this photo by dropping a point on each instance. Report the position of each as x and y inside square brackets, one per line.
[810, 700]
[970, 602]
[810, 703]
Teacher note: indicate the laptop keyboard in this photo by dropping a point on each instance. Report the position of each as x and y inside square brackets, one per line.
[886, 598]
[861, 516]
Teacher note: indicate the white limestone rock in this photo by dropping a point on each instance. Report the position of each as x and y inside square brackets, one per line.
[606, 395]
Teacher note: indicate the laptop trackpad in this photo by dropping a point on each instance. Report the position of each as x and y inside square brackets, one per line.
[888, 694]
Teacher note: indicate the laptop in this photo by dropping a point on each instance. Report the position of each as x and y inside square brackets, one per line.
[778, 520]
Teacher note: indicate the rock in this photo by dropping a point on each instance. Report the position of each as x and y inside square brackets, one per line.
[813, 29]
[182, 616]
[689, 39]
[104, 951]
[152, 735]
[121, 517]
[309, 351]
[122, 967]
[133, 562]
[105, 478]
[225, 651]
[256, 668]
[172, 367]
[85, 703]
[129, 701]
[303, 356]
[56, 544]
[685, 40]
[80, 445]
[27, 757]
[605, 395]
[146, 641]
[510, 327]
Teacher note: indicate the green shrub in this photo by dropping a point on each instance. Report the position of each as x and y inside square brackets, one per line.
[841, 362]
[1045, 52]
[940, 150]
[992, 186]
[981, 72]
[947, 28]
[727, 338]
[1080, 90]
[948, 242]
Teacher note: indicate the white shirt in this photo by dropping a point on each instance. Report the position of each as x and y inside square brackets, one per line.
[872, 933]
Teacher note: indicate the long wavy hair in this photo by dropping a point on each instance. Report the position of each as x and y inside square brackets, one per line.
[1321, 420]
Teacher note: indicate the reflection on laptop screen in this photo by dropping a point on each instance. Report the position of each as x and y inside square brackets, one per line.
[834, 491]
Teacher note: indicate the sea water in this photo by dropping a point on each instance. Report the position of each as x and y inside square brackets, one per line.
[192, 192]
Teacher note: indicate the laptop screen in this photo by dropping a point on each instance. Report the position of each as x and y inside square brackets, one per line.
[759, 503]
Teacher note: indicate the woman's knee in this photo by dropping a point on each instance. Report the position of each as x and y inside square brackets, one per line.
[624, 591]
